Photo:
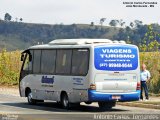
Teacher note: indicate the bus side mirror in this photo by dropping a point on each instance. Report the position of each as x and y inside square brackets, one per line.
[22, 57]
[30, 58]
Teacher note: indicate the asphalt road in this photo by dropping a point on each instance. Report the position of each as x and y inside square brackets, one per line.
[16, 108]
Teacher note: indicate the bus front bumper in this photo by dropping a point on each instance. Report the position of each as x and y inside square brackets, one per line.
[96, 96]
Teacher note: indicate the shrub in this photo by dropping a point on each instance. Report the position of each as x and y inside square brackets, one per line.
[152, 60]
[9, 67]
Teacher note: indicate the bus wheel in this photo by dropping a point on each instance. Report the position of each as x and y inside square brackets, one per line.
[31, 101]
[65, 101]
[106, 105]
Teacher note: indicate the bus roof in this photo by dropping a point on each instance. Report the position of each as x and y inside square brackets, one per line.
[60, 43]
[81, 41]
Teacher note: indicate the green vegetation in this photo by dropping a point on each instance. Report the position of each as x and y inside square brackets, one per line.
[152, 60]
[149, 42]
[9, 67]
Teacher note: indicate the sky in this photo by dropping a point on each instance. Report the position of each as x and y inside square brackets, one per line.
[77, 11]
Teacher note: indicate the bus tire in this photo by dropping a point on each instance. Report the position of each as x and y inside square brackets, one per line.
[88, 103]
[65, 101]
[106, 105]
[31, 101]
[41, 101]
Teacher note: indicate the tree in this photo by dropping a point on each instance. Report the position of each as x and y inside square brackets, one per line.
[92, 24]
[113, 23]
[7, 17]
[149, 42]
[102, 21]
[138, 23]
[131, 24]
[21, 19]
[121, 22]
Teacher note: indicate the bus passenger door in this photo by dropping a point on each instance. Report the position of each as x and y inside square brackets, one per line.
[26, 69]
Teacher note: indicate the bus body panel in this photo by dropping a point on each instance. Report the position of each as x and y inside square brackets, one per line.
[115, 82]
[95, 96]
[119, 82]
[76, 87]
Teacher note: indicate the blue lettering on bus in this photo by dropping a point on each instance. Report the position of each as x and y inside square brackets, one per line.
[77, 81]
[116, 58]
[45, 79]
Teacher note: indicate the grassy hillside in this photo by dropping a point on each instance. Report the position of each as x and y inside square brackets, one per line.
[18, 35]
[14, 35]
[12, 42]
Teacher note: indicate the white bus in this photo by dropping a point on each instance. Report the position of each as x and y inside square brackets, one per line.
[71, 71]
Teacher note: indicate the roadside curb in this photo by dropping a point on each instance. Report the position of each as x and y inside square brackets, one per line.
[132, 104]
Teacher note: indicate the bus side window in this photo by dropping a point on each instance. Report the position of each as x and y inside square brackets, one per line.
[48, 59]
[28, 62]
[36, 61]
[80, 59]
[63, 61]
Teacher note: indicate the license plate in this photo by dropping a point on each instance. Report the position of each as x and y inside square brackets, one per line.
[116, 97]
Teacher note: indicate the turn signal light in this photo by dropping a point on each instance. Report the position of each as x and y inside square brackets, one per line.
[92, 86]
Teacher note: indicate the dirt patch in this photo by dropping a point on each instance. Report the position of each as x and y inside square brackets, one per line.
[11, 90]
[136, 104]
